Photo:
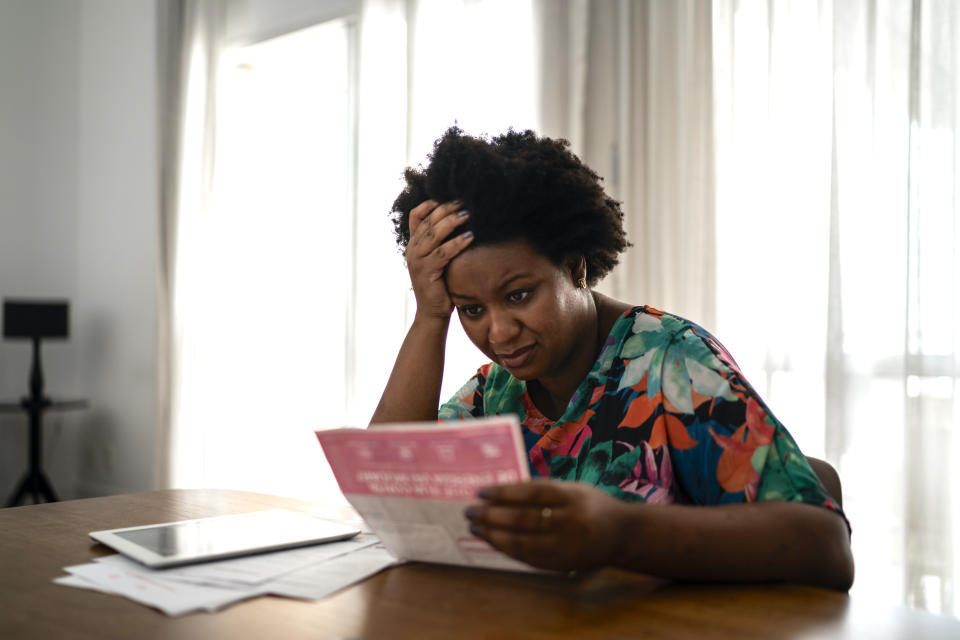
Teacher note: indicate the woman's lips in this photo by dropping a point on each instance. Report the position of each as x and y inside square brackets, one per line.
[516, 359]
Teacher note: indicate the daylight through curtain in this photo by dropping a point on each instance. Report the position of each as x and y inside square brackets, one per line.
[839, 268]
[630, 85]
[191, 33]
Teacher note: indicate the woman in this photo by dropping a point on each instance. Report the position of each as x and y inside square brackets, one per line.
[645, 414]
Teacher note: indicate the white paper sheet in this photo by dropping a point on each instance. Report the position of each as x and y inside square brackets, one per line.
[132, 580]
[308, 573]
[77, 581]
[320, 580]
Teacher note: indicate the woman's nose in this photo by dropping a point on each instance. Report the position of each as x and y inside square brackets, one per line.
[503, 328]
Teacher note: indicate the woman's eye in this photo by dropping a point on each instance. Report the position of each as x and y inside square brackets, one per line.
[518, 296]
[470, 310]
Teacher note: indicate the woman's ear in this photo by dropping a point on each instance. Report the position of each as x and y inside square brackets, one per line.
[577, 266]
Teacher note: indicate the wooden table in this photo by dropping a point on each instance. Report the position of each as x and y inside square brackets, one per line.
[415, 600]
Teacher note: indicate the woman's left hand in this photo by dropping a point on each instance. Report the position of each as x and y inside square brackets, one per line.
[550, 524]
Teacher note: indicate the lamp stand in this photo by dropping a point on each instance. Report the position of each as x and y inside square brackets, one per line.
[34, 481]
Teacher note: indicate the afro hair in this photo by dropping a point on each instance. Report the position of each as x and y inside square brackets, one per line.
[518, 186]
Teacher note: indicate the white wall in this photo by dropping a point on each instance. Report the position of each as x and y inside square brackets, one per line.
[78, 219]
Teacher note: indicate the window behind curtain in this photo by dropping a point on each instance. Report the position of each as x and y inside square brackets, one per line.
[268, 361]
[839, 260]
[280, 340]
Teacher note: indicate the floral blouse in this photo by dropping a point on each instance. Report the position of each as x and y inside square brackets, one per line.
[664, 416]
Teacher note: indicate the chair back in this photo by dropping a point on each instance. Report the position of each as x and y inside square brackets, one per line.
[829, 478]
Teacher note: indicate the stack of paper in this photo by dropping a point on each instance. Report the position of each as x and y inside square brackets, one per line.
[308, 573]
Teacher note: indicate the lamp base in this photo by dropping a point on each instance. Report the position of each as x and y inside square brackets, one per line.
[36, 483]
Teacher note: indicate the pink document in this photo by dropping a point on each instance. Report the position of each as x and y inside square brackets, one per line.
[411, 483]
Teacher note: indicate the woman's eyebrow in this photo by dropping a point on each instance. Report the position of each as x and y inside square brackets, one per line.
[506, 284]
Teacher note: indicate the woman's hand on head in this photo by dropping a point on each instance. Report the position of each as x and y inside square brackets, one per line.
[428, 253]
[550, 524]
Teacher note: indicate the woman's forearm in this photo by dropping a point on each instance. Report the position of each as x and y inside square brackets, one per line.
[413, 389]
[757, 542]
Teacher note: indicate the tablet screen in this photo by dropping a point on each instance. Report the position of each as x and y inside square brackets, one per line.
[206, 536]
[223, 536]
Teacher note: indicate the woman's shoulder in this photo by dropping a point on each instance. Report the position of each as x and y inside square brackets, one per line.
[621, 320]
[651, 327]
[641, 329]
[645, 318]
[616, 314]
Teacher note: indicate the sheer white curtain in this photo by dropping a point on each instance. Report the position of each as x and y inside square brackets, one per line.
[629, 84]
[822, 138]
[424, 66]
[839, 268]
[254, 270]
[191, 39]
[313, 131]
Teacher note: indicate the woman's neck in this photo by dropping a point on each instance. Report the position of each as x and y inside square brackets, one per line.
[552, 395]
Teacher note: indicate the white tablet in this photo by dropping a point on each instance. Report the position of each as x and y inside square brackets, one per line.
[188, 541]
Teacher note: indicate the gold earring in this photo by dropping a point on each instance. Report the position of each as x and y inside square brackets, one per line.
[582, 283]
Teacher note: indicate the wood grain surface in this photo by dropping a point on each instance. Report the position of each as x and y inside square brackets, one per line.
[409, 601]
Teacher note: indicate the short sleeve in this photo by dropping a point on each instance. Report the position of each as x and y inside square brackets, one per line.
[732, 449]
[467, 402]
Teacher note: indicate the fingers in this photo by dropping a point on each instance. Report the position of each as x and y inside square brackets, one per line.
[451, 248]
[550, 524]
[535, 506]
[540, 492]
[433, 244]
[526, 518]
[431, 224]
[421, 211]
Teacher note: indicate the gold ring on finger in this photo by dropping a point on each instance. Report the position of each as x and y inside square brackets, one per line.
[545, 515]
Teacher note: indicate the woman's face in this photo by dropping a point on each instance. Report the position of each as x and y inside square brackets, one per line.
[521, 310]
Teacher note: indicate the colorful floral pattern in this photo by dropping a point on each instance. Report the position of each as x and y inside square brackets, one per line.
[664, 416]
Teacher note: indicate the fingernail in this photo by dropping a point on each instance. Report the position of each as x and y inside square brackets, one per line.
[470, 512]
[457, 202]
[485, 492]
[466, 235]
[462, 213]
[475, 530]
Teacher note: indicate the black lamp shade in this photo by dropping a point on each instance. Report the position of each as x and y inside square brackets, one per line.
[36, 319]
